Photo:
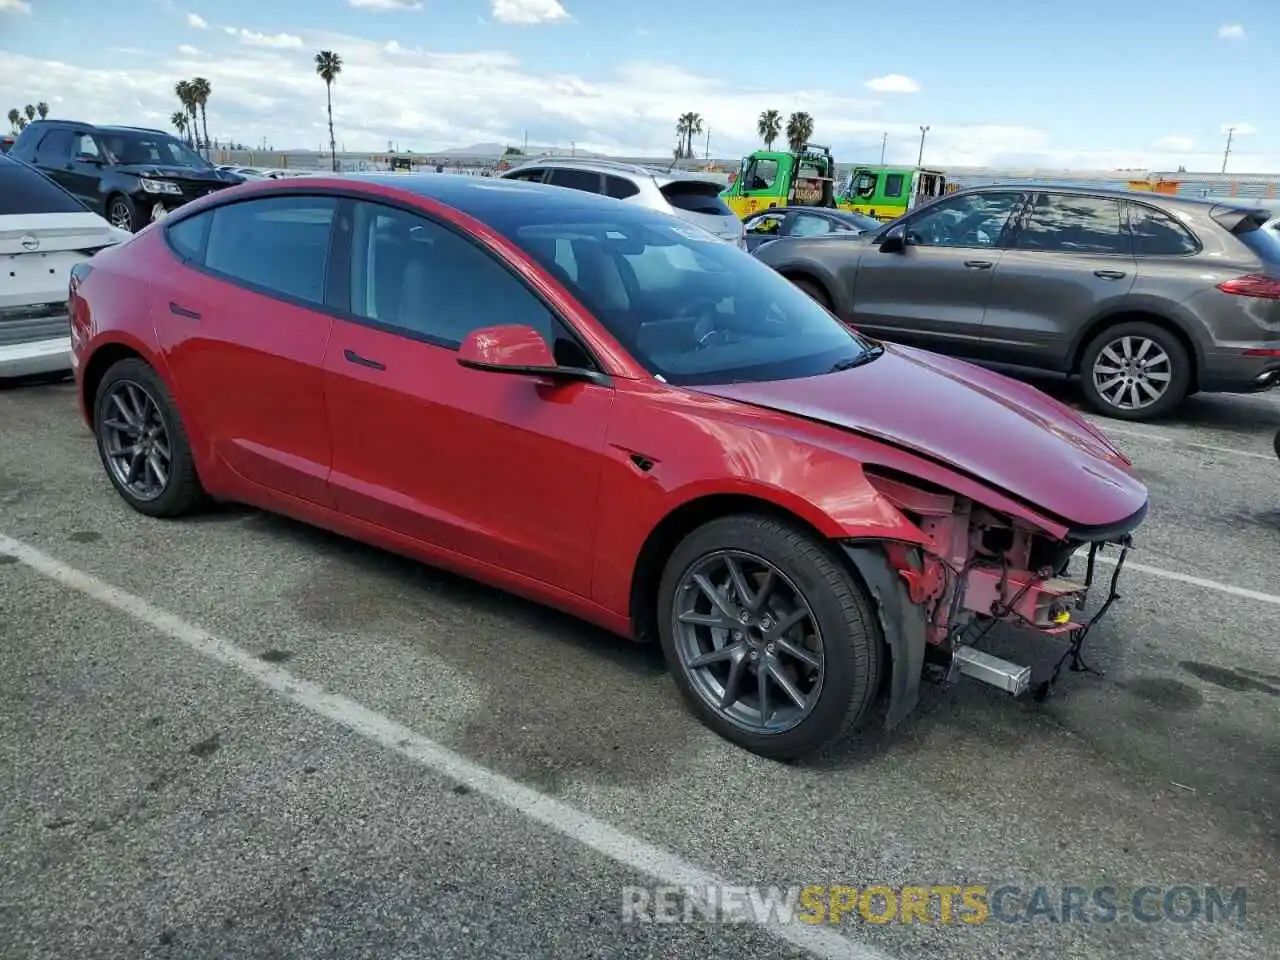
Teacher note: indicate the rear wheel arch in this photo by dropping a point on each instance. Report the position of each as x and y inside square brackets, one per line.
[1175, 329]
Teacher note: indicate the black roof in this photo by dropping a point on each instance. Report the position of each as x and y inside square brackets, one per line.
[493, 199]
[106, 128]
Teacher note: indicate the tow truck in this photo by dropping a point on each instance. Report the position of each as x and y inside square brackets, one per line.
[777, 178]
[886, 193]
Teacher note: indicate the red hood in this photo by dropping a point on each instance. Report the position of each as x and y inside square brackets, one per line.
[1005, 433]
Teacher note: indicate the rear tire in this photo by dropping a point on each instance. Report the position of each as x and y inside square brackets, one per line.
[133, 411]
[832, 656]
[1124, 349]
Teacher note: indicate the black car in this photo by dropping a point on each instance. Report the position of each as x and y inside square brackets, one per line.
[801, 221]
[130, 175]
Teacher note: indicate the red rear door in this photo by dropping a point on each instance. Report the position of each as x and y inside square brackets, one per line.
[497, 467]
[244, 339]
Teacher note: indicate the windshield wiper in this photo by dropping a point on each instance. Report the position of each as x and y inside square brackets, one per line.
[866, 357]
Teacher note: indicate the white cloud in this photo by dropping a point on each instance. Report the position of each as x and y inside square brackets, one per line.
[529, 11]
[187, 50]
[197, 21]
[1240, 129]
[1175, 143]
[1231, 31]
[386, 4]
[15, 6]
[283, 41]
[432, 101]
[893, 83]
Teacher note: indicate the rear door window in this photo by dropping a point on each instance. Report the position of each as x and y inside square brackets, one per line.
[279, 245]
[25, 191]
[1156, 234]
[1072, 223]
[585, 180]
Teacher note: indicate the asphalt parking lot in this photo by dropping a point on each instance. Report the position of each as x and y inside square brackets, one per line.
[235, 736]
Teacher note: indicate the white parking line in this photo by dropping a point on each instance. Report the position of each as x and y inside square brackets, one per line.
[1227, 588]
[630, 851]
[1106, 427]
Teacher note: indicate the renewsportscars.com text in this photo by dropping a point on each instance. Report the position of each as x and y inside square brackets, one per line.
[937, 903]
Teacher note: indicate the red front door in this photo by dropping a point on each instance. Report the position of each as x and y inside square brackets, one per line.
[244, 349]
[497, 467]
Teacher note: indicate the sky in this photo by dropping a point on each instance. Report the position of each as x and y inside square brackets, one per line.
[1086, 84]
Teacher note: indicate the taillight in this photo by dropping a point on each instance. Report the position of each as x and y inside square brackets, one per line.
[1252, 285]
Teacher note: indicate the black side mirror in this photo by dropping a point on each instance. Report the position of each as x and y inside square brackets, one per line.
[894, 240]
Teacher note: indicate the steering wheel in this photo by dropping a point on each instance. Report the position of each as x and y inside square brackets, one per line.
[706, 329]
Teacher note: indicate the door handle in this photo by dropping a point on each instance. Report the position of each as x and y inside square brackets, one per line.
[979, 264]
[182, 311]
[353, 357]
[1109, 274]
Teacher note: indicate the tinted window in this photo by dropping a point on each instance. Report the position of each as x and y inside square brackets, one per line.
[1264, 242]
[971, 220]
[619, 187]
[528, 175]
[893, 185]
[806, 225]
[688, 307]
[143, 147]
[56, 145]
[696, 197]
[1072, 223]
[1158, 234]
[413, 275]
[188, 236]
[279, 244]
[575, 179]
[26, 191]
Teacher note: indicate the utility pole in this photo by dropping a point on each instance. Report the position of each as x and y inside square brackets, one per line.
[920, 158]
[708, 143]
[526, 142]
[884, 142]
[573, 148]
[1230, 133]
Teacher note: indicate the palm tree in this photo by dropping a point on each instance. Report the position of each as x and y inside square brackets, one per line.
[687, 126]
[184, 93]
[14, 117]
[769, 126]
[42, 108]
[201, 90]
[799, 130]
[30, 111]
[179, 120]
[328, 66]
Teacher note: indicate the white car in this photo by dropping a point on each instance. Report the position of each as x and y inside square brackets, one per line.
[44, 232]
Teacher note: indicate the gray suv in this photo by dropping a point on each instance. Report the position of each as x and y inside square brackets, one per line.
[691, 198]
[1147, 298]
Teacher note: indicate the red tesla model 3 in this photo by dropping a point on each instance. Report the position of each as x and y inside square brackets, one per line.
[605, 409]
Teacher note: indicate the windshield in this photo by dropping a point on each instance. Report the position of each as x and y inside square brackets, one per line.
[151, 148]
[689, 307]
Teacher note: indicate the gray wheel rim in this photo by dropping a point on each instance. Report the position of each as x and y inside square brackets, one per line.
[120, 215]
[135, 440]
[748, 642]
[1131, 373]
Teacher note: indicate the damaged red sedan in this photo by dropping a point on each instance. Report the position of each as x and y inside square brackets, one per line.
[607, 410]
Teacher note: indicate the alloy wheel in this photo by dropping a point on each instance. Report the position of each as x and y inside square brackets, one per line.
[135, 440]
[119, 215]
[748, 642]
[1132, 372]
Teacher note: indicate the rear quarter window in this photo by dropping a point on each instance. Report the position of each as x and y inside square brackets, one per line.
[24, 191]
[1156, 234]
[696, 197]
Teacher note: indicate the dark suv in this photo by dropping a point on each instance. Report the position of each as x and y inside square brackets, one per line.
[130, 175]
[1147, 298]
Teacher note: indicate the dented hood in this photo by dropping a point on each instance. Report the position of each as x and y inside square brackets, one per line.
[1002, 432]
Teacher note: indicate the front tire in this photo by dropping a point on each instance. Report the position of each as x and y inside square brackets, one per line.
[142, 442]
[771, 640]
[122, 212]
[1135, 371]
[814, 292]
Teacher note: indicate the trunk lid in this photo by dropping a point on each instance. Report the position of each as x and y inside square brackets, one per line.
[47, 233]
[698, 202]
